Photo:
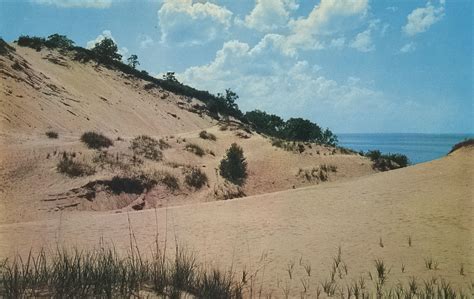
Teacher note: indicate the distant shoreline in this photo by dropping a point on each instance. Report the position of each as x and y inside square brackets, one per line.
[419, 147]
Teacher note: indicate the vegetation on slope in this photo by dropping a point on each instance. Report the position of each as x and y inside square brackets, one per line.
[465, 143]
[106, 53]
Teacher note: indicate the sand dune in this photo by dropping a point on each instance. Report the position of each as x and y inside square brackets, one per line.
[70, 98]
[431, 203]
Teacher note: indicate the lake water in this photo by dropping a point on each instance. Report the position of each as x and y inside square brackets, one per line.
[417, 147]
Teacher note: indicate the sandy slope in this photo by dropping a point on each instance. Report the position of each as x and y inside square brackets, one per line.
[70, 98]
[431, 202]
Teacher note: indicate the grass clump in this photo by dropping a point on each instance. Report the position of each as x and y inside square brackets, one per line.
[194, 148]
[195, 178]
[207, 136]
[233, 166]
[96, 140]
[147, 147]
[167, 179]
[52, 134]
[69, 166]
[103, 273]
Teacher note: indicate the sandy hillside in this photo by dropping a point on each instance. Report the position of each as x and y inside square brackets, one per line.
[46, 90]
[369, 217]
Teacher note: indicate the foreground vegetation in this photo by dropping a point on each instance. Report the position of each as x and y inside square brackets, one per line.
[104, 273]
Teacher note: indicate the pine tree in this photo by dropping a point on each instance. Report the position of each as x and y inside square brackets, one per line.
[233, 166]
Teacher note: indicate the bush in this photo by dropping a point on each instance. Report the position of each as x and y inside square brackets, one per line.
[384, 162]
[33, 42]
[52, 134]
[136, 184]
[233, 166]
[194, 148]
[146, 146]
[72, 168]
[195, 178]
[96, 140]
[467, 142]
[206, 135]
[167, 179]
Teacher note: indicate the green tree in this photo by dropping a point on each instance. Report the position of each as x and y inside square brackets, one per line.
[267, 123]
[106, 50]
[57, 41]
[233, 166]
[170, 77]
[133, 61]
[300, 129]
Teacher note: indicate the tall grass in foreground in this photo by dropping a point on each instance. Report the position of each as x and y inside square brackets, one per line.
[103, 273]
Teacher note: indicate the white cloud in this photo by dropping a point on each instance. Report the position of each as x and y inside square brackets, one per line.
[145, 41]
[185, 22]
[421, 19]
[325, 20]
[392, 8]
[407, 48]
[363, 41]
[106, 34]
[269, 15]
[266, 79]
[77, 3]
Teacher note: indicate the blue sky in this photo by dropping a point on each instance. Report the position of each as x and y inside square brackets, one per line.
[352, 66]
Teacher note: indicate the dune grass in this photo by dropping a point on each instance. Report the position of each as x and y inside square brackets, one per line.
[103, 273]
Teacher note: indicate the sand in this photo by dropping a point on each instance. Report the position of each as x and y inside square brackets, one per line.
[285, 220]
[431, 203]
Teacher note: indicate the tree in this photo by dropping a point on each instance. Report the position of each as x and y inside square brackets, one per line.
[170, 77]
[233, 166]
[106, 50]
[133, 61]
[267, 123]
[59, 42]
[300, 129]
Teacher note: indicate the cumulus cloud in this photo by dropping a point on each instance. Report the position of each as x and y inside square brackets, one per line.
[363, 41]
[77, 3]
[266, 79]
[407, 48]
[269, 15]
[106, 34]
[325, 20]
[185, 22]
[421, 19]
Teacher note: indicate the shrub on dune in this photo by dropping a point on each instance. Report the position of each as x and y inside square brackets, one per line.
[96, 140]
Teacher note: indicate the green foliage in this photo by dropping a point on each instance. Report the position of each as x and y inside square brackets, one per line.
[170, 77]
[294, 129]
[106, 50]
[269, 124]
[96, 140]
[33, 42]
[54, 41]
[57, 41]
[386, 162]
[195, 178]
[465, 143]
[233, 166]
[133, 61]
